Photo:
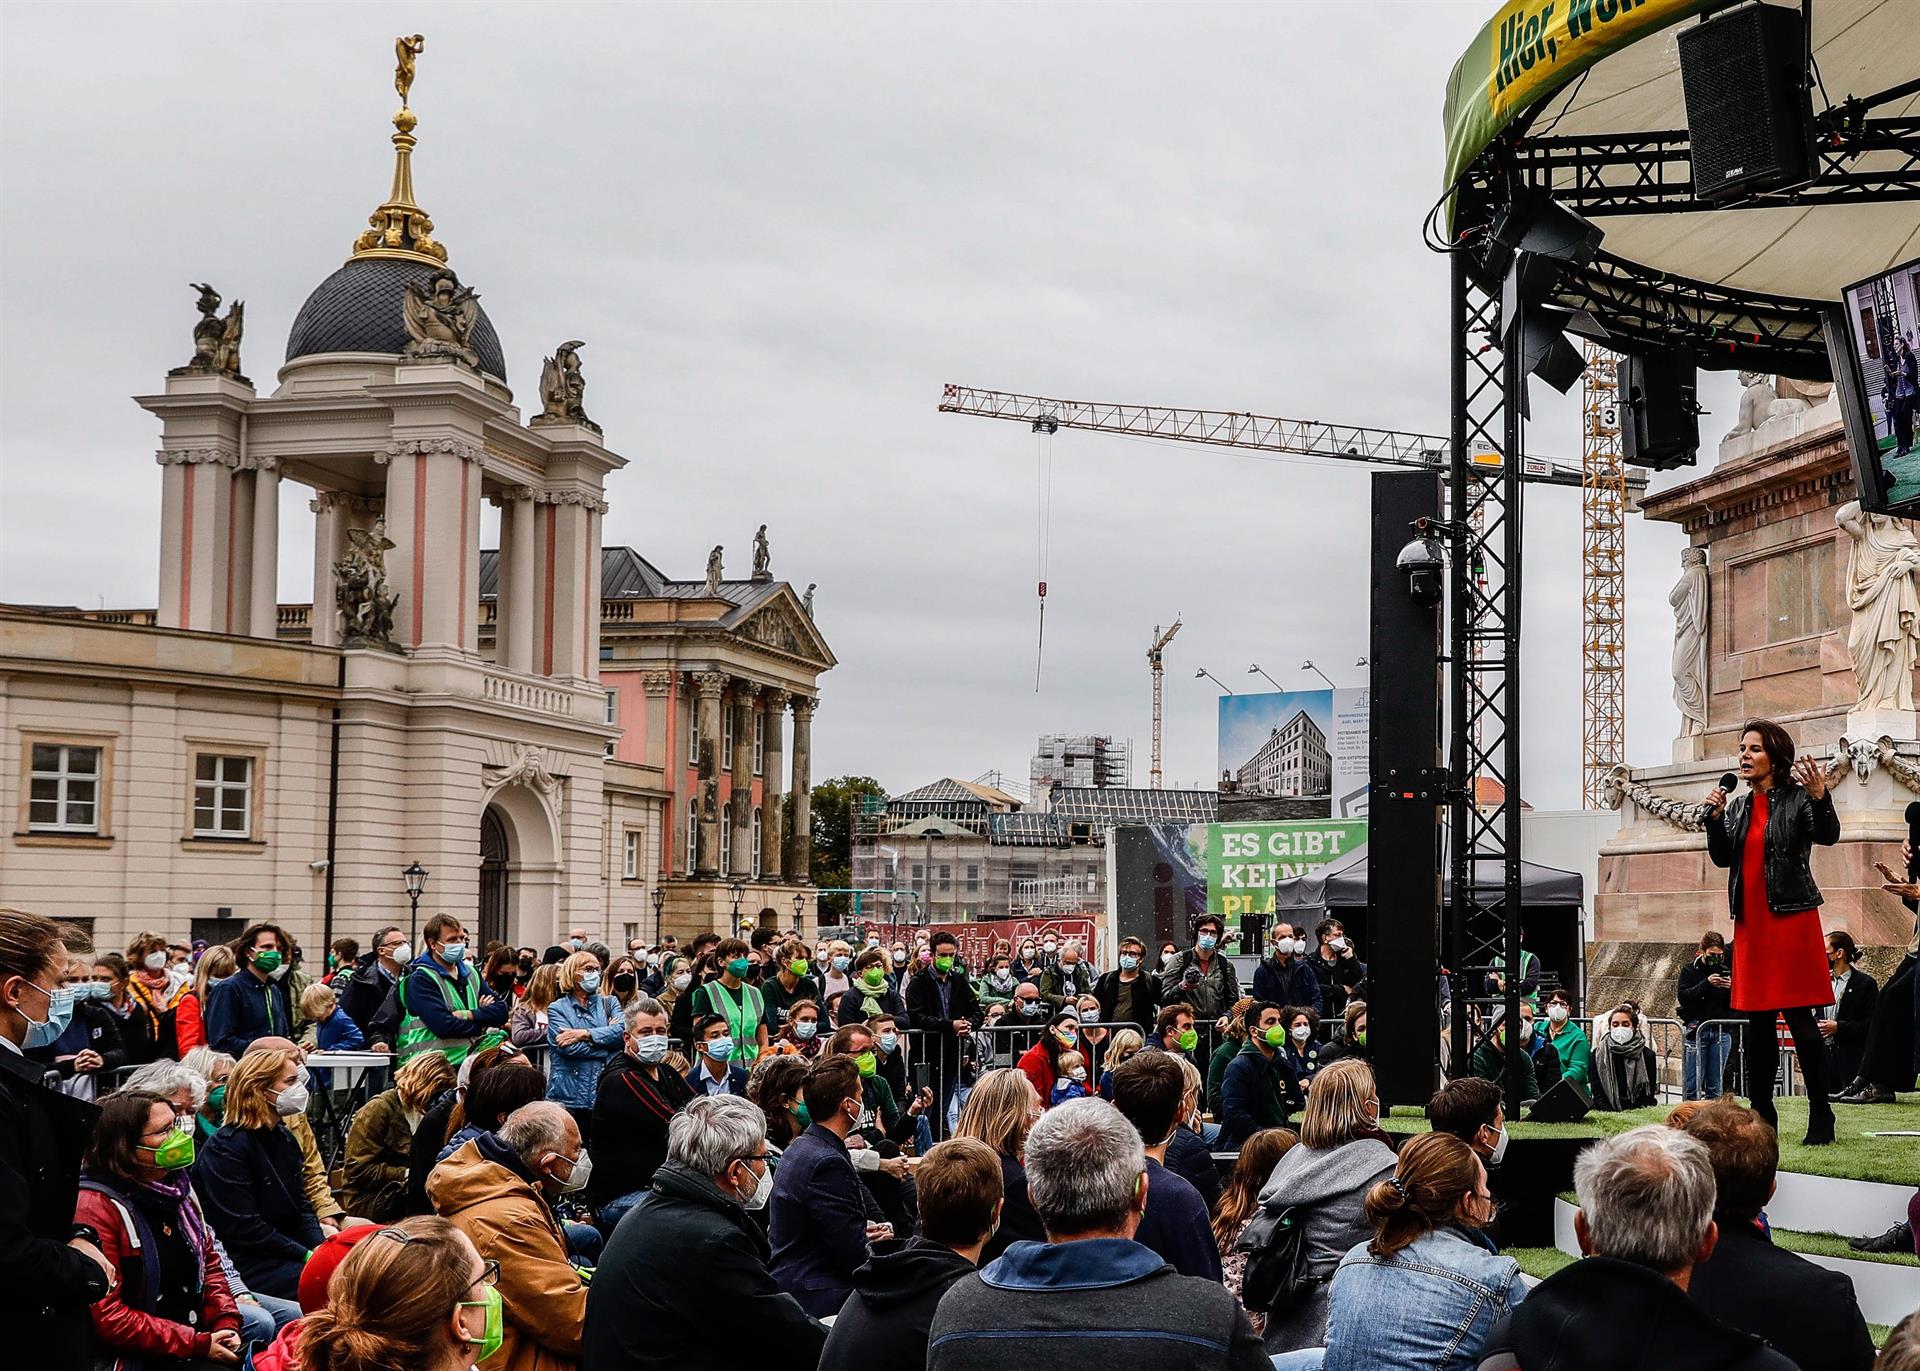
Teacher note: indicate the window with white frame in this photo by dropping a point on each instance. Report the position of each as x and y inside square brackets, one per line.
[759, 742]
[756, 840]
[693, 731]
[64, 789]
[222, 796]
[726, 732]
[726, 843]
[630, 856]
[613, 717]
[693, 834]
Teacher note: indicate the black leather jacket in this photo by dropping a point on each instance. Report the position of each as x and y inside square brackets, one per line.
[1795, 822]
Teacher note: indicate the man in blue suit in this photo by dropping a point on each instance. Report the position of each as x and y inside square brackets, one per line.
[819, 1227]
[717, 1070]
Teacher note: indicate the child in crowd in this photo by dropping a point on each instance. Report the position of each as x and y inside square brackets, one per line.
[1072, 1081]
[333, 1030]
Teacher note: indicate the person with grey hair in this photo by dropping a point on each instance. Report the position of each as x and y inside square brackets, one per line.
[1645, 1220]
[1090, 1284]
[684, 1283]
[169, 1079]
[499, 1189]
[637, 1098]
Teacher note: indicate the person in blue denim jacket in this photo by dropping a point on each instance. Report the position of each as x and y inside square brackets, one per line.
[1428, 1287]
[584, 1031]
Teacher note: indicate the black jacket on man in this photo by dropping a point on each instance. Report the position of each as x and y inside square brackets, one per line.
[1336, 976]
[1795, 822]
[941, 1043]
[1851, 1018]
[817, 1221]
[1142, 996]
[885, 1321]
[1804, 1311]
[1293, 983]
[362, 998]
[631, 1111]
[683, 1286]
[1601, 1314]
[45, 1286]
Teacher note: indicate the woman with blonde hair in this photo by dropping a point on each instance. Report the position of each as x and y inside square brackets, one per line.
[1000, 1112]
[249, 1175]
[1126, 1042]
[381, 1135]
[415, 1295]
[527, 1025]
[1430, 1278]
[584, 1032]
[1325, 1181]
[1240, 1201]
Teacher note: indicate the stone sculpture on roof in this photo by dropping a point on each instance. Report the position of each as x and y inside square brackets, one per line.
[563, 387]
[216, 339]
[714, 569]
[762, 558]
[1689, 600]
[440, 314]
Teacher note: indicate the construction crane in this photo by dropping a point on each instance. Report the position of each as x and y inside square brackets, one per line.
[1603, 578]
[1160, 641]
[1603, 480]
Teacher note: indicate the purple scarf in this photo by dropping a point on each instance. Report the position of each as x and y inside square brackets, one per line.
[177, 1188]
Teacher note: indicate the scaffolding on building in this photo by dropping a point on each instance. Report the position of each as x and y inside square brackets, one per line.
[1048, 895]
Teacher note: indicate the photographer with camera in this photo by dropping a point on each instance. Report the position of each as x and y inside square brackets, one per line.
[1706, 994]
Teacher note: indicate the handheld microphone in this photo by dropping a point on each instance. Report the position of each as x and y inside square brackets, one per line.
[1913, 839]
[1729, 782]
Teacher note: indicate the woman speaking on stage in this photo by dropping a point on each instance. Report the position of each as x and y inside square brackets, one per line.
[1765, 837]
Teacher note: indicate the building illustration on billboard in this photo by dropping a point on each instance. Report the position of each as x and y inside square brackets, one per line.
[1298, 744]
[1292, 761]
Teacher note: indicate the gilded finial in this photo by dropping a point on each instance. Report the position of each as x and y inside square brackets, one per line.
[400, 228]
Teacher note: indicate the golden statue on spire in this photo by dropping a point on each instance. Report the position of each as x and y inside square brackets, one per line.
[400, 228]
[405, 52]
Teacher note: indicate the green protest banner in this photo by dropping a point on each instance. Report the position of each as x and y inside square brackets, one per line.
[1243, 861]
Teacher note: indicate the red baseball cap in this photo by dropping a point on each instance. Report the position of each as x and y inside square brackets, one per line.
[325, 1259]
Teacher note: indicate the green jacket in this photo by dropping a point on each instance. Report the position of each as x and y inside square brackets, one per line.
[1576, 1054]
[1217, 1070]
[1490, 1064]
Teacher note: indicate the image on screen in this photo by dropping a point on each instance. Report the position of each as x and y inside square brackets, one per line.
[1883, 322]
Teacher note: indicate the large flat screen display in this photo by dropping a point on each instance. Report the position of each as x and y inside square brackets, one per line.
[1873, 336]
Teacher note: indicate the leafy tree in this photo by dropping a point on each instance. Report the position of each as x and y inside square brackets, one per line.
[835, 803]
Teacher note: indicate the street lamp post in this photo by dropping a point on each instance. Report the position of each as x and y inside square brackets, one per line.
[739, 893]
[659, 900]
[799, 905]
[1256, 667]
[416, 878]
[1215, 679]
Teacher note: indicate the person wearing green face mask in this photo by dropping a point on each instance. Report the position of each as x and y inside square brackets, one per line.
[870, 994]
[254, 1001]
[792, 981]
[134, 1193]
[741, 1005]
[943, 1008]
[1260, 1089]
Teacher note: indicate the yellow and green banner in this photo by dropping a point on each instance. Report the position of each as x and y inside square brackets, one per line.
[1528, 50]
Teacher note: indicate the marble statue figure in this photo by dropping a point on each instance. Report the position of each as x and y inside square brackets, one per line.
[762, 559]
[713, 569]
[1689, 600]
[1884, 638]
[563, 387]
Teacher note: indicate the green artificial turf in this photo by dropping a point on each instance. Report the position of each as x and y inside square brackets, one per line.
[1852, 1156]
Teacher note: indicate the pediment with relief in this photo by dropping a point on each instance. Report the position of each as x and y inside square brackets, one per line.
[784, 628]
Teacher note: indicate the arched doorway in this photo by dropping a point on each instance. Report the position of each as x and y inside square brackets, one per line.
[493, 878]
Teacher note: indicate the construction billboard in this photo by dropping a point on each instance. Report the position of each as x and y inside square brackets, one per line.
[1298, 743]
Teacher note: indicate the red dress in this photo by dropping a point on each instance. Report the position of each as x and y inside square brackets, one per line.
[1779, 960]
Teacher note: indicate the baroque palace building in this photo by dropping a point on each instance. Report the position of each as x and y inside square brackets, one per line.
[559, 734]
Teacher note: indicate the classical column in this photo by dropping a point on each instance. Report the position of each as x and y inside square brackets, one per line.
[659, 690]
[329, 535]
[708, 686]
[263, 618]
[432, 518]
[196, 538]
[800, 840]
[773, 756]
[516, 612]
[570, 543]
[741, 806]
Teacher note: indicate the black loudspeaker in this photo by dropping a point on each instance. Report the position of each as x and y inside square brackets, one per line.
[1749, 111]
[1660, 417]
[1567, 1102]
[1403, 803]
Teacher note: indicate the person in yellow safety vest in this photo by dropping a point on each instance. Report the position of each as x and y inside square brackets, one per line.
[443, 1005]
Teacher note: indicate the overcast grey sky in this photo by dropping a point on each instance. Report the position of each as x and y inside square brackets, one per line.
[780, 229]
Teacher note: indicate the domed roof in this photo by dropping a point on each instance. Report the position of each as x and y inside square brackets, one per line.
[359, 309]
